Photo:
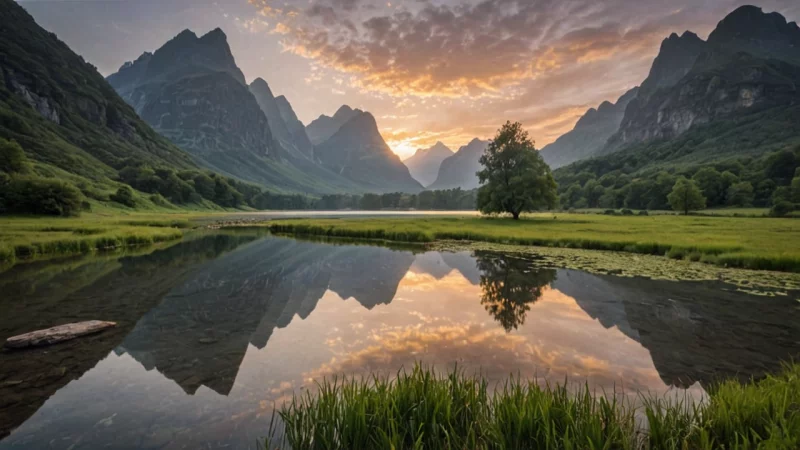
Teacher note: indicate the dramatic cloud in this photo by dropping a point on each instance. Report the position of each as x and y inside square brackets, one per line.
[490, 60]
[429, 70]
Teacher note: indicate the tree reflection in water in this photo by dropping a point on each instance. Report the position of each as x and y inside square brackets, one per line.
[510, 286]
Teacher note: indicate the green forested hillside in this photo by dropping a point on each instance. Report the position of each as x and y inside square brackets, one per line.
[728, 117]
[81, 143]
[746, 161]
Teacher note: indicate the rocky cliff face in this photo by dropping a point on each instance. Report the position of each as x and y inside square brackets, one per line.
[191, 91]
[750, 63]
[424, 165]
[211, 115]
[358, 152]
[459, 170]
[589, 134]
[296, 128]
[300, 148]
[324, 127]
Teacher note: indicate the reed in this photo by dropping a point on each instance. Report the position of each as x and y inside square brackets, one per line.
[422, 408]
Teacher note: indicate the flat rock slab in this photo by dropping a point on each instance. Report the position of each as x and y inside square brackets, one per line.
[58, 334]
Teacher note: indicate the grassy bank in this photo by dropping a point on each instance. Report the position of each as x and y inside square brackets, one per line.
[751, 243]
[23, 238]
[420, 409]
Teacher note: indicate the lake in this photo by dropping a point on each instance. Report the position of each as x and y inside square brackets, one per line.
[216, 329]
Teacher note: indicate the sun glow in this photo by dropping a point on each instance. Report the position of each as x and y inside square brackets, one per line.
[403, 148]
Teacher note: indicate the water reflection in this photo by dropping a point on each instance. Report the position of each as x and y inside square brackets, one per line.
[215, 330]
[510, 286]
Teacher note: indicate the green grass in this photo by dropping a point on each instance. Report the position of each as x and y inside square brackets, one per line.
[424, 409]
[23, 238]
[750, 243]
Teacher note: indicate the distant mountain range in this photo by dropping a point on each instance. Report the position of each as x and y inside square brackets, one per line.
[459, 170]
[186, 108]
[191, 91]
[424, 164]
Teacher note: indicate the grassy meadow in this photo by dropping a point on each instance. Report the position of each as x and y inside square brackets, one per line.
[32, 237]
[423, 409]
[751, 243]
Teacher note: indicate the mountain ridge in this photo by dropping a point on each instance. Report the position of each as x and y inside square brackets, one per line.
[460, 169]
[424, 163]
[196, 97]
[590, 134]
[324, 127]
[358, 152]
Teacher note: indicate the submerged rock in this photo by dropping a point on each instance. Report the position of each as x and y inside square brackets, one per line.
[58, 334]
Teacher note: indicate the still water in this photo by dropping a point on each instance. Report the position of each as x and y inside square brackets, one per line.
[215, 330]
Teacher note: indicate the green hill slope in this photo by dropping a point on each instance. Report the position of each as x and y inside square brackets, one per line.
[76, 132]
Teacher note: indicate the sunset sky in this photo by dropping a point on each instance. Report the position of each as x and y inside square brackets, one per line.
[447, 70]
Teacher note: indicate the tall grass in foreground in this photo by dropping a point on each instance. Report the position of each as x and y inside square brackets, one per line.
[421, 409]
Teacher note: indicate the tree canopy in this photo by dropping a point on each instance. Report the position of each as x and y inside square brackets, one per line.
[686, 196]
[514, 178]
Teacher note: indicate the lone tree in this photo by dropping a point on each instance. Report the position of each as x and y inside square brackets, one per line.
[686, 196]
[514, 178]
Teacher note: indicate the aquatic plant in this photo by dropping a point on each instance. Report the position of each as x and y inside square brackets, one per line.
[422, 408]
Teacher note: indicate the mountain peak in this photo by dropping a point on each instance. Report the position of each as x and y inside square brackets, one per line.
[675, 59]
[362, 121]
[343, 111]
[260, 84]
[216, 33]
[186, 34]
[755, 30]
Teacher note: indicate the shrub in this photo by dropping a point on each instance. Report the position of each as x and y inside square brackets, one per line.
[32, 195]
[610, 212]
[159, 200]
[626, 212]
[124, 196]
[643, 213]
[781, 209]
[12, 157]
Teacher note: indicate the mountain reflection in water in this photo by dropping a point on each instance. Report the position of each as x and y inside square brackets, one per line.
[215, 330]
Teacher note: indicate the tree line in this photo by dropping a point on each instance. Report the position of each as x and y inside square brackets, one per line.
[772, 180]
[26, 188]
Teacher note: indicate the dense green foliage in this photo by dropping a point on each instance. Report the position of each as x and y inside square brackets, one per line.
[514, 178]
[421, 408]
[752, 243]
[731, 167]
[447, 199]
[686, 196]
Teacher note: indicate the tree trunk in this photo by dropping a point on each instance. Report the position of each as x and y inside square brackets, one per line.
[515, 215]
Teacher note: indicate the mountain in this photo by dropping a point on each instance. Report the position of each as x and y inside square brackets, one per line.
[323, 127]
[72, 126]
[358, 152]
[730, 104]
[750, 64]
[191, 91]
[296, 128]
[589, 134]
[459, 170]
[424, 165]
[269, 106]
